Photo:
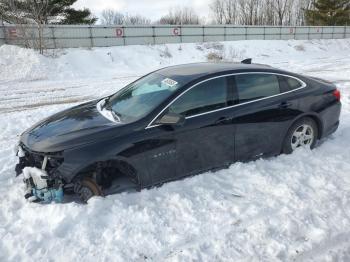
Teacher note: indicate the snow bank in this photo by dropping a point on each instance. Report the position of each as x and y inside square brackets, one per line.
[18, 63]
[287, 208]
[25, 64]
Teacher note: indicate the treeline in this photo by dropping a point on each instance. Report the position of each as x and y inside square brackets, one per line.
[249, 12]
[281, 12]
[235, 12]
[261, 12]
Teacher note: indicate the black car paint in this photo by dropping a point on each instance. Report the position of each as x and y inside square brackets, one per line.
[162, 153]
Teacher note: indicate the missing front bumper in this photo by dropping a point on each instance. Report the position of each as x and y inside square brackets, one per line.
[38, 188]
[38, 169]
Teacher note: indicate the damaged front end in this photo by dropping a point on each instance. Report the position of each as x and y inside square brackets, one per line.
[43, 184]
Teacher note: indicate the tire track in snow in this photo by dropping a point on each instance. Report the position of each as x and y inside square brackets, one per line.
[69, 100]
[38, 93]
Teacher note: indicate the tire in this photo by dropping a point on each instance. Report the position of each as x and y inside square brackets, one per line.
[88, 188]
[303, 133]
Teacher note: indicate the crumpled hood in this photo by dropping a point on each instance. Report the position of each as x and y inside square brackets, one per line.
[66, 129]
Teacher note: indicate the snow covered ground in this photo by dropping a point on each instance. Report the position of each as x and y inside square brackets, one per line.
[288, 208]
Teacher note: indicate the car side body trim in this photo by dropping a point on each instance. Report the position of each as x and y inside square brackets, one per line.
[303, 85]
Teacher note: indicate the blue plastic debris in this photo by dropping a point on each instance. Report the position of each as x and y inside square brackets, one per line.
[48, 195]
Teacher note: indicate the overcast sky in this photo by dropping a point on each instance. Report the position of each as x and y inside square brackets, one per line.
[152, 9]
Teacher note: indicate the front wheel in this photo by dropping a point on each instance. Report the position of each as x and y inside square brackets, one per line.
[302, 133]
[87, 188]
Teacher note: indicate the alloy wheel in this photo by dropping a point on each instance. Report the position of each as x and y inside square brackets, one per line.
[303, 136]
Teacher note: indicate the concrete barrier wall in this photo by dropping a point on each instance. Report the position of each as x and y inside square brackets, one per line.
[70, 36]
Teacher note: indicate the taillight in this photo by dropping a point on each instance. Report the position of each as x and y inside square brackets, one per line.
[336, 93]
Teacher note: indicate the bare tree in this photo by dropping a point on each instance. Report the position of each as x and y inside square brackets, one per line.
[136, 20]
[112, 17]
[249, 11]
[281, 7]
[224, 11]
[39, 12]
[301, 7]
[218, 9]
[260, 12]
[231, 11]
[180, 16]
[268, 15]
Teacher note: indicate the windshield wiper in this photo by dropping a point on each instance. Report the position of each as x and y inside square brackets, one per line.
[116, 115]
[107, 106]
[106, 103]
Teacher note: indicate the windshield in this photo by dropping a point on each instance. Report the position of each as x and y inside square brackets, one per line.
[141, 97]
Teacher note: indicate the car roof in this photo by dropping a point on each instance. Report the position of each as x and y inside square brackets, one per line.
[189, 72]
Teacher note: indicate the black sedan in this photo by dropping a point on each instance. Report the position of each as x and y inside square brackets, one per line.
[175, 122]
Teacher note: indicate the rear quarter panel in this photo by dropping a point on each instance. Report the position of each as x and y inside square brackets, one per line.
[318, 99]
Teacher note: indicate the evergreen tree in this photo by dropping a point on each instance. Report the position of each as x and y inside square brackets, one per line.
[44, 12]
[329, 12]
[73, 16]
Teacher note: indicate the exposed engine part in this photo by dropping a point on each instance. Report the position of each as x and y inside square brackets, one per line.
[45, 184]
[46, 161]
[38, 189]
[43, 167]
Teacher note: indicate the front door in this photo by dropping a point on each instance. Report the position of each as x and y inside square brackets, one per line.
[158, 151]
[206, 140]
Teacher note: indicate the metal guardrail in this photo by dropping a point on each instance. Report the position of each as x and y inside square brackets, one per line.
[70, 36]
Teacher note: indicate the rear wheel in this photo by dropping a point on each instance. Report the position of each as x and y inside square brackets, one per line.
[303, 133]
[87, 189]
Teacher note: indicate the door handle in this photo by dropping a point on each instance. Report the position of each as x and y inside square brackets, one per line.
[285, 105]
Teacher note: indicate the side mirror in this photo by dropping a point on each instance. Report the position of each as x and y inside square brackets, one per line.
[171, 119]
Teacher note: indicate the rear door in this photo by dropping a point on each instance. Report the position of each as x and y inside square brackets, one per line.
[264, 113]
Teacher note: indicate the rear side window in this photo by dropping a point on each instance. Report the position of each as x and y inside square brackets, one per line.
[202, 98]
[289, 83]
[293, 83]
[255, 86]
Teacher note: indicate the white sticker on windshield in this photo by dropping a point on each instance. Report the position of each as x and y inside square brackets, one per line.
[169, 82]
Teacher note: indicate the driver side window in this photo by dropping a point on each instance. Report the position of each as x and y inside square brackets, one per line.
[208, 96]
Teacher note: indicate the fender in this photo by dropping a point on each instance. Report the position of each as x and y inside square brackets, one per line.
[76, 161]
[313, 116]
